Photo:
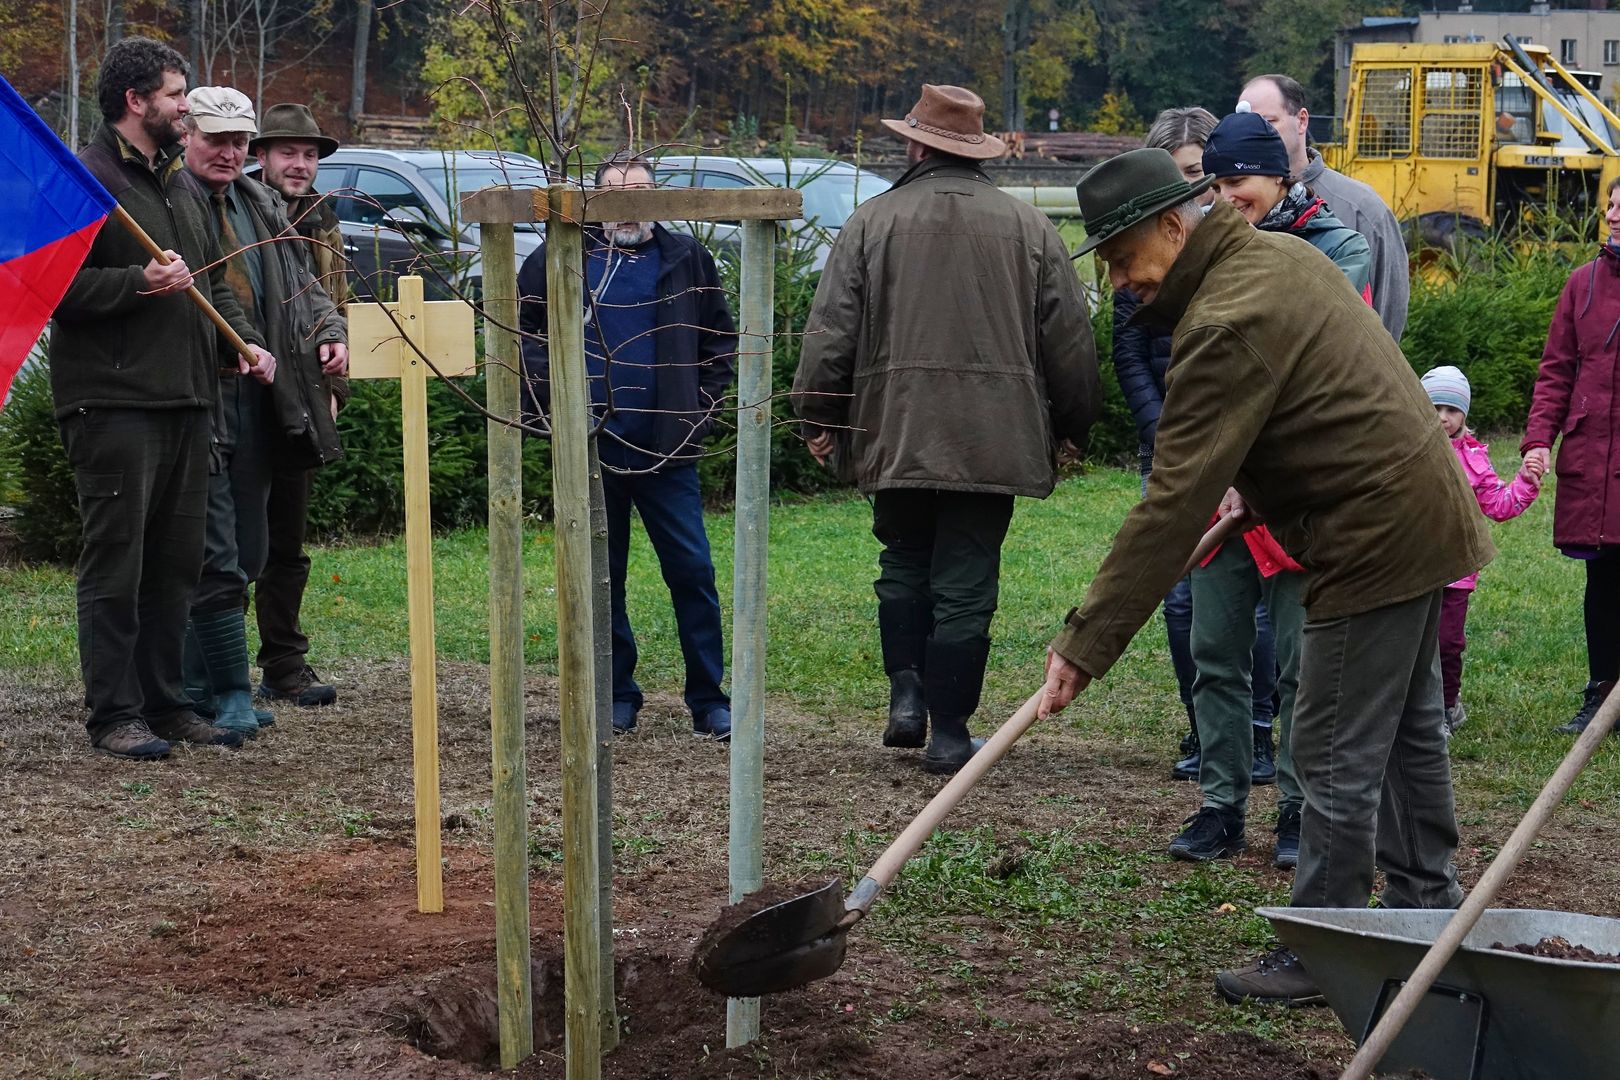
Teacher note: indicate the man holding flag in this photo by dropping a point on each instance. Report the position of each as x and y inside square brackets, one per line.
[134, 368]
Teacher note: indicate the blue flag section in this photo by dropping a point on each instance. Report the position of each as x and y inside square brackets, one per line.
[50, 210]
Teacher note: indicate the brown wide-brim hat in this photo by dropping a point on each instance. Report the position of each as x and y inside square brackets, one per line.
[288, 121]
[951, 119]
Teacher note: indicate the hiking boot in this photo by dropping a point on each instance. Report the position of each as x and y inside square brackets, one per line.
[1595, 694]
[1212, 833]
[1277, 978]
[1187, 767]
[131, 739]
[186, 726]
[303, 688]
[1287, 830]
[908, 712]
[624, 718]
[952, 680]
[714, 724]
[1264, 769]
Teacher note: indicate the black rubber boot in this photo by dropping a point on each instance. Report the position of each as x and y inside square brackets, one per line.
[223, 636]
[1264, 770]
[953, 676]
[903, 627]
[1191, 753]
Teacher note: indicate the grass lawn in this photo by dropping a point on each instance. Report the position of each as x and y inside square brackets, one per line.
[1525, 662]
[1046, 904]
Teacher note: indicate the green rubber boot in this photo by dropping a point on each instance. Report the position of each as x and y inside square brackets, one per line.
[194, 670]
[223, 637]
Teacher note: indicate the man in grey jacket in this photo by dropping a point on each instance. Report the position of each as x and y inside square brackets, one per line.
[949, 341]
[1281, 100]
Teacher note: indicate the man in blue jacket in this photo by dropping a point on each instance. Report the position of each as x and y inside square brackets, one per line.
[659, 342]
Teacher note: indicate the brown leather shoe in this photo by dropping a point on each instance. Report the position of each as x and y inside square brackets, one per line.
[131, 739]
[186, 726]
[303, 688]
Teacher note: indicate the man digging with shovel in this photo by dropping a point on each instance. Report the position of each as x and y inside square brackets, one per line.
[1287, 401]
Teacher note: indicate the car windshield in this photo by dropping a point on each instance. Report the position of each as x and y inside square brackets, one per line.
[456, 180]
[1568, 135]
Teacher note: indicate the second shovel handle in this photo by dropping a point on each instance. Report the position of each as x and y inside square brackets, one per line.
[909, 842]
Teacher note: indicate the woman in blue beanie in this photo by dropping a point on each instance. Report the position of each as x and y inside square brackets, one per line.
[1249, 162]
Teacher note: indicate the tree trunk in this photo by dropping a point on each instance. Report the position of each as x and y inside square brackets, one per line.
[115, 22]
[1014, 39]
[199, 73]
[362, 42]
[73, 73]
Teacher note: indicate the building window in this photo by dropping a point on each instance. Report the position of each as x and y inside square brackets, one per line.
[1611, 51]
[1347, 54]
[1451, 39]
[1566, 51]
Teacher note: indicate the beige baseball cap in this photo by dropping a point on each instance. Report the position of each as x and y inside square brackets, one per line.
[219, 109]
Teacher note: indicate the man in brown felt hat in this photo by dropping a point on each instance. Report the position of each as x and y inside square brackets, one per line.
[289, 147]
[959, 307]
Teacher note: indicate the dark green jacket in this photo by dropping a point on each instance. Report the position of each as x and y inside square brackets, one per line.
[299, 318]
[952, 314]
[112, 347]
[1284, 384]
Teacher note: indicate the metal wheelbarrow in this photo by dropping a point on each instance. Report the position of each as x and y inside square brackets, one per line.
[1491, 1014]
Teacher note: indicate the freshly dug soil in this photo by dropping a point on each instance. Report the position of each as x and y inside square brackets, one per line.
[1558, 948]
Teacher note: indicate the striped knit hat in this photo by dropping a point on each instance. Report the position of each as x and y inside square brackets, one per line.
[1448, 386]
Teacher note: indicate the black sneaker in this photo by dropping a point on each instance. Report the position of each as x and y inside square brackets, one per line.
[1277, 978]
[303, 688]
[714, 724]
[1287, 830]
[1594, 696]
[1264, 770]
[1212, 833]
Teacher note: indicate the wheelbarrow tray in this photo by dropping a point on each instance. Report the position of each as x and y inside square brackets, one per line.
[1493, 1015]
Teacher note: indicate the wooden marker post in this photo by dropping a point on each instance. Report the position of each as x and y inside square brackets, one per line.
[755, 343]
[443, 330]
[570, 477]
[508, 768]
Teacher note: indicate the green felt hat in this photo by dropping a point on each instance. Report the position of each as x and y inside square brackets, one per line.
[1129, 188]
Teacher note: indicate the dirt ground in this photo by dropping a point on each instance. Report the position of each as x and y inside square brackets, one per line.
[252, 914]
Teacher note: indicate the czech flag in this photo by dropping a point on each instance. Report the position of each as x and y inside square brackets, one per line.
[50, 210]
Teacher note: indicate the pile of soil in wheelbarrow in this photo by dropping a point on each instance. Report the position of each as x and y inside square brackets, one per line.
[1557, 948]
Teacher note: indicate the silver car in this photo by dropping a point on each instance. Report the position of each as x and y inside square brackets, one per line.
[832, 190]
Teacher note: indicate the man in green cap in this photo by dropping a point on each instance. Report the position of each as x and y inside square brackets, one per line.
[289, 148]
[1286, 401]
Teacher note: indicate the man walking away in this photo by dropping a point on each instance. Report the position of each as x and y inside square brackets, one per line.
[960, 308]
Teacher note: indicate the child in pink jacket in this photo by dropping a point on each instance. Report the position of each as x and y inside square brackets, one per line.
[1449, 391]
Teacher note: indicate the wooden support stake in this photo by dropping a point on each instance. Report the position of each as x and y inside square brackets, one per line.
[602, 650]
[748, 590]
[509, 773]
[570, 477]
[419, 593]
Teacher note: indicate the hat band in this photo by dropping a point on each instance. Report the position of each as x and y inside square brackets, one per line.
[1132, 210]
[944, 133]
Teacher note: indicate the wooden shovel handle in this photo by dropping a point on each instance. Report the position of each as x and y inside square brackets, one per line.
[909, 842]
[1490, 885]
[197, 298]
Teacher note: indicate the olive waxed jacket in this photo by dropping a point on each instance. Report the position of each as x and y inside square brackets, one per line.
[1284, 384]
[952, 314]
[111, 345]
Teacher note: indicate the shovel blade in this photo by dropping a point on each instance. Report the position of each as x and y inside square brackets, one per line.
[779, 947]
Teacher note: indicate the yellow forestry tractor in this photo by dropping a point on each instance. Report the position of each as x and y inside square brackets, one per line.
[1469, 138]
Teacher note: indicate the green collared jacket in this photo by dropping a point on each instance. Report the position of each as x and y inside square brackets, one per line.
[1284, 384]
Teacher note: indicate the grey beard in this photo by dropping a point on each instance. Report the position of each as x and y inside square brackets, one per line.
[629, 234]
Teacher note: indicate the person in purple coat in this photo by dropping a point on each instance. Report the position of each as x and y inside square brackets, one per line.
[1574, 400]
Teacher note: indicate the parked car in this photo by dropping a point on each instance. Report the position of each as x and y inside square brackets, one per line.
[832, 190]
[397, 207]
